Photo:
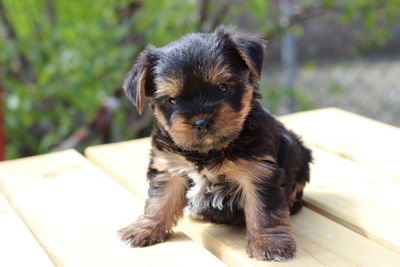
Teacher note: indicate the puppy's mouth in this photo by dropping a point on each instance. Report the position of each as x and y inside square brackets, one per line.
[211, 140]
[204, 133]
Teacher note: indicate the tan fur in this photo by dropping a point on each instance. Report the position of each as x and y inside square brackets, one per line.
[246, 173]
[292, 197]
[230, 121]
[161, 212]
[160, 118]
[222, 185]
[227, 121]
[248, 63]
[267, 158]
[218, 74]
[241, 169]
[167, 208]
[269, 234]
[253, 207]
[171, 162]
[169, 86]
[142, 84]
[233, 170]
[181, 131]
[277, 244]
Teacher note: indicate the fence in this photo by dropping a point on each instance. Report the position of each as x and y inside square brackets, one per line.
[365, 81]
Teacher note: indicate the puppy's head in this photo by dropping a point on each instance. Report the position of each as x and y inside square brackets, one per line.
[202, 86]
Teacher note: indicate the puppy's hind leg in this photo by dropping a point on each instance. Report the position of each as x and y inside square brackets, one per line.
[302, 177]
[162, 210]
[296, 198]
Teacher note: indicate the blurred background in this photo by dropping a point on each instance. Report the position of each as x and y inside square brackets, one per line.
[62, 62]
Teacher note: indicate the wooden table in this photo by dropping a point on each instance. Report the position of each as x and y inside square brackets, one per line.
[64, 209]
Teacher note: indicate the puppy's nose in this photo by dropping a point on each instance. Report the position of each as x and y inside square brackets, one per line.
[202, 124]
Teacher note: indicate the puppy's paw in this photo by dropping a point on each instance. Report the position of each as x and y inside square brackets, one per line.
[279, 248]
[142, 236]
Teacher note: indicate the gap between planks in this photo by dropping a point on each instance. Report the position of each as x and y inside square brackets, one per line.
[354, 137]
[318, 238]
[75, 211]
[17, 240]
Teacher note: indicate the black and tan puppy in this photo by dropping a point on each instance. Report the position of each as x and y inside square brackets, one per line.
[215, 150]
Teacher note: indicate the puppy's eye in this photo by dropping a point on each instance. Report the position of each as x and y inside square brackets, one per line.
[223, 87]
[172, 100]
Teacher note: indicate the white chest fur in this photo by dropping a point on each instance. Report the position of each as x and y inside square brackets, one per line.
[208, 188]
[211, 189]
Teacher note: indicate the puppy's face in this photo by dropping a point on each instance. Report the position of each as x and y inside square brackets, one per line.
[202, 86]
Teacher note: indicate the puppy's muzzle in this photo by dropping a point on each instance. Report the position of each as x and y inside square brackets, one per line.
[202, 125]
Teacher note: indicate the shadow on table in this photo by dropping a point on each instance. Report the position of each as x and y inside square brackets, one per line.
[230, 242]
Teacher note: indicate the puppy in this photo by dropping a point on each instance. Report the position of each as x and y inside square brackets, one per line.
[215, 150]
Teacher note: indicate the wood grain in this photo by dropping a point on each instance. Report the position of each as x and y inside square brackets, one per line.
[360, 188]
[18, 247]
[363, 199]
[321, 242]
[351, 136]
[75, 211]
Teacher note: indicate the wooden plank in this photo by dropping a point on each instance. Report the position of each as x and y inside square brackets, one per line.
[364, 199]
[362, 195]
[349, 135]
[75, 211]
[17, 245]
[321, 242]
[42, 165]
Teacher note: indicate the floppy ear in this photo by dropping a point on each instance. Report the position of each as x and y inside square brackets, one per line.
[139, 82]
[250, 48]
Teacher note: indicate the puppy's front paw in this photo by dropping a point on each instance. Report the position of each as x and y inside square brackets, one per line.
[141, 236]
[280, 248]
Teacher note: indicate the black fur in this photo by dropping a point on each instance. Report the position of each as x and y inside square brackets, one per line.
[215, 76]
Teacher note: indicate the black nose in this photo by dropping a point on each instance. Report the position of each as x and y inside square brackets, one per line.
[202, 124]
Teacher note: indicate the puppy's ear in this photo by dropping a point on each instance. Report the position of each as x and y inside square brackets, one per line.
[250, 48]
[139, 81]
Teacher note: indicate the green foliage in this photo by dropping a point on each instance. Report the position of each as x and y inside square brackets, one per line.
[310, 65]
[78, 51]
[336, 89]
[376, 15]
[76, 63]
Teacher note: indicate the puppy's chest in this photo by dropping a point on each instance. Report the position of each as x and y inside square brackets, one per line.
[175, 163]
[209, 177]
[210, 188]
